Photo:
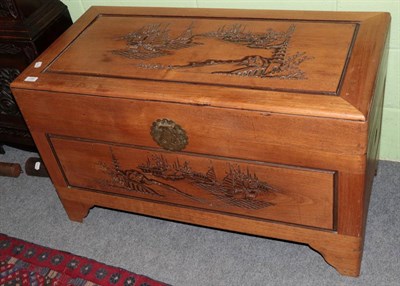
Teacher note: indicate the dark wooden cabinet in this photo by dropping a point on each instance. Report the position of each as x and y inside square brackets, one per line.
[27, 28]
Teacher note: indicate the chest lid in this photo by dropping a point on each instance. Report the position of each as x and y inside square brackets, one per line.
[290, 62]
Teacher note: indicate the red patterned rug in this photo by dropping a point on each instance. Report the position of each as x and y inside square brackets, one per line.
[24, 263]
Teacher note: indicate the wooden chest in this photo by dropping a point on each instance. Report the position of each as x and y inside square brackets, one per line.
[261, 122]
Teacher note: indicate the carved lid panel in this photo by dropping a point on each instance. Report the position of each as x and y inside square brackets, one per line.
[281, 55]
[314, 63]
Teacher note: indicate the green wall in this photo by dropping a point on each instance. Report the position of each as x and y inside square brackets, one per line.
[390, 140]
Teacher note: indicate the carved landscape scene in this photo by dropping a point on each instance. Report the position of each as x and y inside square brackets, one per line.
[258, 54]
[269, 56]
[161, 178]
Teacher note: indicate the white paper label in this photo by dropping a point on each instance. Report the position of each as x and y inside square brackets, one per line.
[38, 65]
[31, 78]
[37, 166]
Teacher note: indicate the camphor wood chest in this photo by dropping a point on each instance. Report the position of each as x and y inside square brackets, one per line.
[261, 122]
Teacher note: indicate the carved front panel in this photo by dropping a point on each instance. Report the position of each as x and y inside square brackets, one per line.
[294, 195]
[154, 41]
[297, 56]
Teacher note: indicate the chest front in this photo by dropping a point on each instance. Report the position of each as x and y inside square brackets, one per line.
[260, 122]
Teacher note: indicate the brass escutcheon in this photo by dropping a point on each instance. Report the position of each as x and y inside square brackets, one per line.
[169, 135]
